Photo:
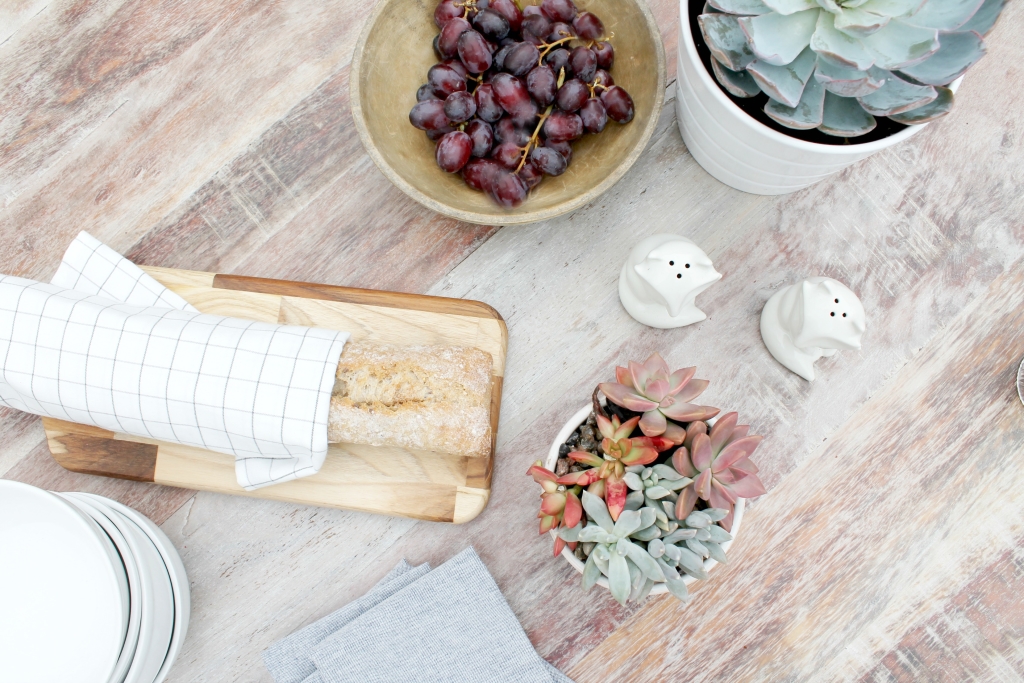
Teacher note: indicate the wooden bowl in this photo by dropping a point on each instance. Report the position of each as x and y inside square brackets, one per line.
[391, 61]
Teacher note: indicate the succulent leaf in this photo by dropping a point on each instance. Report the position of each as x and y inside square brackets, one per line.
[784, 83]
[778, 39]
[787, 7]
[648, 534]
[749, 7]
[716, 552]
[597, 510]
[857, 22]
[727, 43]
[591, 572]
[807, 114]
[628, 522]
[844, 117]
[680, 535]
[898, 45]
[838, 48]
[957, 53]
[935, 109]
[985, 18]
[848, 82]
[896, 97]
[944, 15]
[618, 578]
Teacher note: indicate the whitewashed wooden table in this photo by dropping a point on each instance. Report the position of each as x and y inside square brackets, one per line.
[216, 135]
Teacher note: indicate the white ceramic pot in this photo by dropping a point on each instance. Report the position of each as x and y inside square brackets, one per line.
[742, 152]
[579, 418]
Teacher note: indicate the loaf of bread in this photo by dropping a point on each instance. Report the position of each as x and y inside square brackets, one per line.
[434, 398]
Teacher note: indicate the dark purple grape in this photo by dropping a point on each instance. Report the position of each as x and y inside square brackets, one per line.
[508, 190]
[534, 40]
[531, 175]
[584, 63]
[508, 154]
[560, 31]
[559, 59]
[572, 95]
[548, 160]
[536, 25]
[437, 49]
[542, 84]
[558, 10]
[563, 148]
[487, 106]
[447, 10]
[562, 126]
[618, 103]
[482, 135]
[509, 10]
[460, 106]
[492, 24]
[514, 98]
[448, 42]
[506, 131]
[605, 55]
[474, 52]
[481, 5]
[445, 80]
[480, 174]
[594, 115]
[456, 64]
[492, 47]
[588, 26]
[521, 58]
[532, 11]
[602, 77]
[498, 61]
[428, 115]
[426, 92]
[453, 151]
[435, 135]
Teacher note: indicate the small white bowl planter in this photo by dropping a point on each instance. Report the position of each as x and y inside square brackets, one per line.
[579, 418]
[744, 153]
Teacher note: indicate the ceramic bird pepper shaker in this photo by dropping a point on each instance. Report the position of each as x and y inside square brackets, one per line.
[661, 278]
[812, 318]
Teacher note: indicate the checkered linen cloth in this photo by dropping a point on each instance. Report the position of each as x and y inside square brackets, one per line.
[107, 345]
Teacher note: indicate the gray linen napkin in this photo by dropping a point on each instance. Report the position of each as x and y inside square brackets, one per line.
[288, 659]
[451, 625]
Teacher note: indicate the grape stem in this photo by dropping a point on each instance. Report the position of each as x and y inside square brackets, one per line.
[548, 46]
[532, 142]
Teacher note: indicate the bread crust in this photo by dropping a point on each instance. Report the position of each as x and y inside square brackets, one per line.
[434, 398]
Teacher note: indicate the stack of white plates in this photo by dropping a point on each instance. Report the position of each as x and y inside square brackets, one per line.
[90, 590]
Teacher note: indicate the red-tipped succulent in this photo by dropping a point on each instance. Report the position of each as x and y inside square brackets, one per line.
[558, 505]
[720, 466]
[662, 396]
[605, 476]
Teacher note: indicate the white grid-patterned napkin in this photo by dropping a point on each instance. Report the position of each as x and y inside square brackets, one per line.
[155, 367]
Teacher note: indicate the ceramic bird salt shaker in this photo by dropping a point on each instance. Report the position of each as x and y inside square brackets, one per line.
[661, 278]
[812, 318]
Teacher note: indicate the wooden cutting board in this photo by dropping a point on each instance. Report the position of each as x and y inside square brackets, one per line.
[393, 481]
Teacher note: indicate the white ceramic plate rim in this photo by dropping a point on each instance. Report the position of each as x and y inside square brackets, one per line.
[575, 421]
[103, 545]
[157, 603]
[132, 568]
[176, 571]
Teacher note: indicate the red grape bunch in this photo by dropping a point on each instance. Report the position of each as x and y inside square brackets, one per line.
[513, 89]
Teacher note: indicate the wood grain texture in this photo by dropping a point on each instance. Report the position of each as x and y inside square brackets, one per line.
[222, 141]
[914, 495]
[383, 480]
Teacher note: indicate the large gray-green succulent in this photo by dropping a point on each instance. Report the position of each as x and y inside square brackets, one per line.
[645, 546]
[835, 65]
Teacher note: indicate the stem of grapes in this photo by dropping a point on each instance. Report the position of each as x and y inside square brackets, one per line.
[548, 46]
[536, 134]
